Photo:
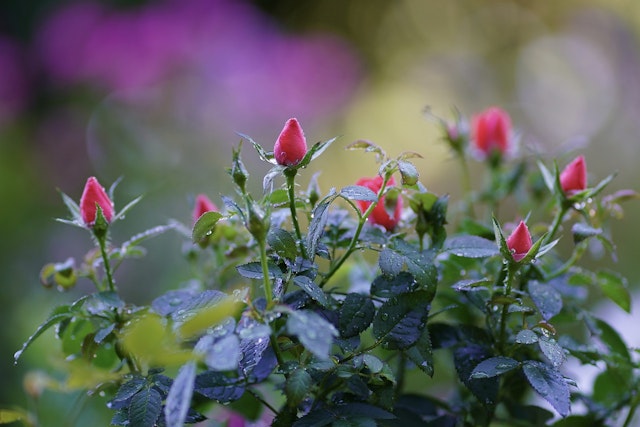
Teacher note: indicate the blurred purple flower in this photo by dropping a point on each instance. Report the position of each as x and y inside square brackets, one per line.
[222, 56]
[14, 86]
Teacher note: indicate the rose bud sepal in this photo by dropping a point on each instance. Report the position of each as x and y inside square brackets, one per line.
[536, 250]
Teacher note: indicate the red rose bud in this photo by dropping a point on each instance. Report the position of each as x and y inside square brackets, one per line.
[519, 242]
[379, 215]
[93, 196]
[291, 145]
[574, 176]
[491, 131]
[203, 205]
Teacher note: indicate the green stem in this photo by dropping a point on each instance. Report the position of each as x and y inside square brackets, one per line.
[508, 283]
[556, 223]
[268, 292]
[290, 173]
[575, 257]
[102, 242]
[356, 236]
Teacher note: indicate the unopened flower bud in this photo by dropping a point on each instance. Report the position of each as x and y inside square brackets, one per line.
[519, 242]
[93, 196]
[203, 204]
[380, 214]
[291, 145]
[573, 178]
[492, 132]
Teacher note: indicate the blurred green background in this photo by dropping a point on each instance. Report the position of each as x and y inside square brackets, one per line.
[155, 91]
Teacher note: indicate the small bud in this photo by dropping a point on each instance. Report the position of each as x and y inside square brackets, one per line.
[238, 171]
[258, 222]
[573, 178]
[93, 196]
[380, 214]
[291, 145]
[203, 204]
[519, 242]
[492, 132]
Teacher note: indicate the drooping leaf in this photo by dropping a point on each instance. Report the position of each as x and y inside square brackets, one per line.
[583, 231]
[355, 315]
[401, 319]
[316, 227]
[494, 366]
[179, 397]
[314, 332]
[549, 383]
[546, 298]
[470, 247]
[409, 173]
[58, 315]
[145, 407]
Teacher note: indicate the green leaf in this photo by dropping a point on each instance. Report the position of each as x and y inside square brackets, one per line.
[494, 366]
[311, 289]
[179, 397]
[282, 242]
[420, 264]
[262, 153]
[549, 383]
[316, 227]
[421, 353]
[8, 416]
[400, 320]
[126, 392]
[253, 270]
[355, 315]
[368, 147]
[583, 231]
[526, 336]
[408, 172]
[58, 315]
[122, 212]
[205, 225]
[297, 385]
[610, 338]
[389, 286]
[223, 354]
[314, 332]
[217, 386]
[145, 408]
[552, 350]
[314, 152]
[358, 192]
[548, 177]
[546, 298]
[374, 364]
[615, 287]
[470, 247]
[500, 240]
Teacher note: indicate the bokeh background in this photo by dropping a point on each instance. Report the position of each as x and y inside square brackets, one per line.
[155, 91]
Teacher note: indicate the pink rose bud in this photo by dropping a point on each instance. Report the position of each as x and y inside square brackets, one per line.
[202, 206]
[291, 145]
[93, 196]
[492, 131]
[379, 215]
[574, 176]
[519, 242]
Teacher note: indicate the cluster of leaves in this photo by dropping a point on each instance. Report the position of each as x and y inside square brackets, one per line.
[328, 326]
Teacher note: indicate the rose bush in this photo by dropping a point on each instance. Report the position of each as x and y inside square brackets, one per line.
[380, 303]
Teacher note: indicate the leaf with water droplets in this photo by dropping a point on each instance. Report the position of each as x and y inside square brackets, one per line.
[57, 315]
[179, 397]
[615, 287]
[552, 350]
[311, 289]
[549, 383]
[205, 225]
[355, 315]
[494, 366]
[358, 192]
[470, 247]
[526, 336]
[223, 354]
[145, 408]
[400, 320]
[297, 385]
[314, 332]
[546, 298]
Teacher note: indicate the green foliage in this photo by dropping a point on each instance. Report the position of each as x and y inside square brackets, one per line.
[326, 325]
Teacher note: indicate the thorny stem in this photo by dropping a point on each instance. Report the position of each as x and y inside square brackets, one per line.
[354, 240]
[290, 173]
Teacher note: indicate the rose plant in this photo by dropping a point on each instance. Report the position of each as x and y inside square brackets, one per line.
[379, 303]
